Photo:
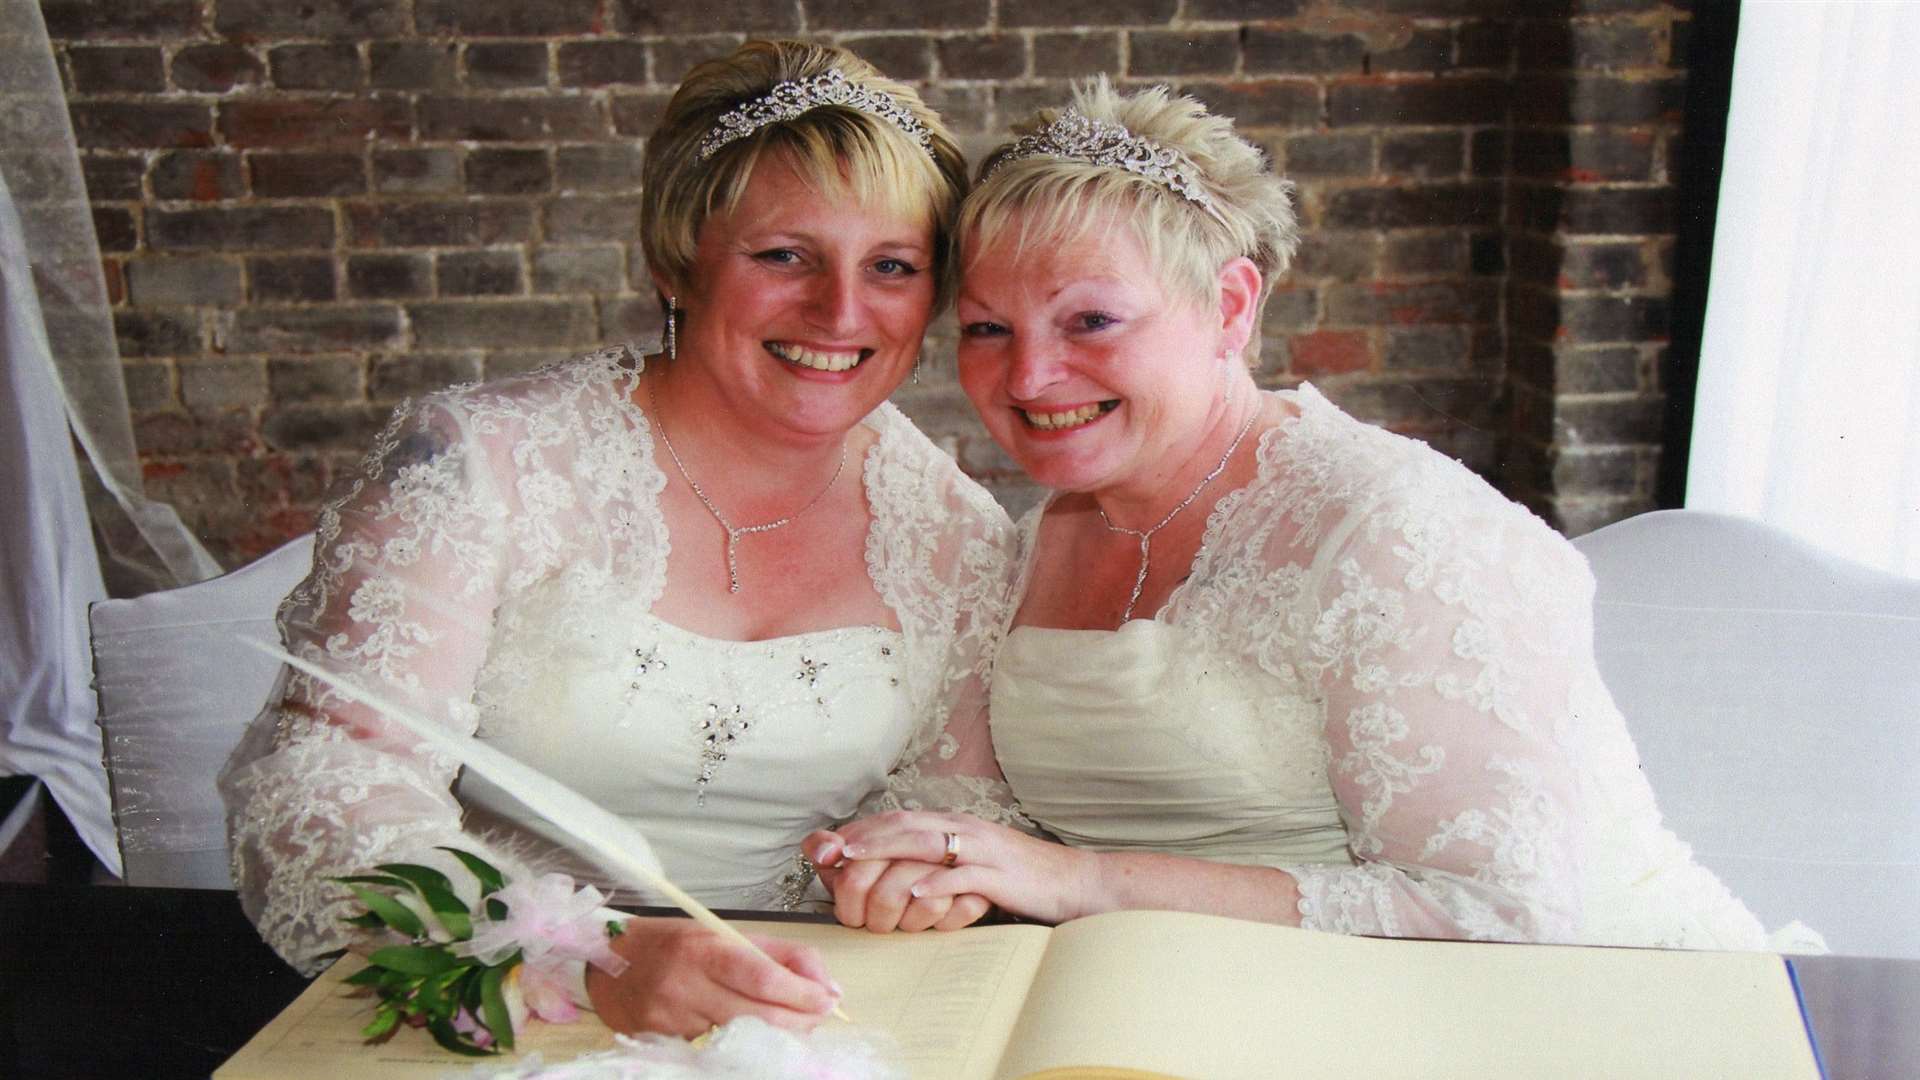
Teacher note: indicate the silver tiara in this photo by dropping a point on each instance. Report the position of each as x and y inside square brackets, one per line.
[796, 96]
[1076, 136]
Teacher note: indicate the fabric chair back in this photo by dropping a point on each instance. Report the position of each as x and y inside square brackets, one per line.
[177, 684]
[1774, 693]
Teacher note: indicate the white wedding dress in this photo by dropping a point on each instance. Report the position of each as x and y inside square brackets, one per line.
[495, 564]
[1380, 678]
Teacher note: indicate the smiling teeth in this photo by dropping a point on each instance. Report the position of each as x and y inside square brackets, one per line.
[1055, 421]
[819, 361]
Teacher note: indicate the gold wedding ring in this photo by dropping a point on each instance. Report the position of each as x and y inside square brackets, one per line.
[952, 857]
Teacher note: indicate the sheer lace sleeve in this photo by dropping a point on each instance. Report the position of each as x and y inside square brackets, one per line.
[406, 568]
[941, 552]
[1449, 634]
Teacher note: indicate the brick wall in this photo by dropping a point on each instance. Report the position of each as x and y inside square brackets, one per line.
[310, 210]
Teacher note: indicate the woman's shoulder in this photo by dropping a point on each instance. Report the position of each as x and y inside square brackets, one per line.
[1395, 484]
[591, 376]
[908, 465]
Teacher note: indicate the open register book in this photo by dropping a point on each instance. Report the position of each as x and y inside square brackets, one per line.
[1158, 994]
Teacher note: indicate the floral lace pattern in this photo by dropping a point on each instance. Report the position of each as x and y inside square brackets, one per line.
[1443, 636]
[476, 499]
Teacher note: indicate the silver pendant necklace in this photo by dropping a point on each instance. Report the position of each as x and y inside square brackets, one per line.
[734, 532]
[1146, 537]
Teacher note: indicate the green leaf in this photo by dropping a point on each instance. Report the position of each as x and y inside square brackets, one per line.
[493, 1007]
[490, 879]
[443, 1033]
[413, 959]
[615, 928]
[387, 880]
[384, 1021]
[389, 910]
[437, 891]
[367, 976]
[496, 909]
[367, 921]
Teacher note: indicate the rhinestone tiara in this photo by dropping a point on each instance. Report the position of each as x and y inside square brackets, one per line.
[1075, 136]
[796, 96]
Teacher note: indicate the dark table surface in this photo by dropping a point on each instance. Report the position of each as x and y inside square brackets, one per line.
[107, 981]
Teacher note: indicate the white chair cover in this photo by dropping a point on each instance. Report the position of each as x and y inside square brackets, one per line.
[178, 684]
[1774, 693]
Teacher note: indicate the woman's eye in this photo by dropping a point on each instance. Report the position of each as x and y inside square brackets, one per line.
[896, 267]
[981, 329]
[1094, 320]
[779, 256]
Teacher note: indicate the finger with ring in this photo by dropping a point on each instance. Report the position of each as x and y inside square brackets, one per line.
[952, 856]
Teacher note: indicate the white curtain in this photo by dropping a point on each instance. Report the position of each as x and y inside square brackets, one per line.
[1808, 409]
[61, 384]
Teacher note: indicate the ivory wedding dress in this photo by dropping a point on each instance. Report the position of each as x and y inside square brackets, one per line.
[495, 564]
[1380, 678]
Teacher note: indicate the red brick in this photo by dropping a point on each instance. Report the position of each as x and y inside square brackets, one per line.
[217, 68]
[438, 223]
[1452, 101]
[115, 228]
[294, 176]
[515, 119]
[982, 56]
[1298, 52]
[117, 125]
[316, 67]
[509, 171]
[1075, 54]
[1085, 13]
[506, 65]
[290, 278]
[197, 176]
[112, 177]
[129, 69]
[1291, 103]
[412, 65]
[1329, 352]
[1397, 304]
[71, 20]
[1421, 206]
[240, 228]
[878, 14]
[336, 19]
[485, 18]
[323, 328]
[758, 17]
[898, 56]
[497, 324]
[396, 377]
[1161, 53]
[480, 273]
[390, 276]
[306, 124]
[602, 63]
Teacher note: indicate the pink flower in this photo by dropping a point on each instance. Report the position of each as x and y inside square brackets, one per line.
[550, 923]
[546, 992]
[465, 1023]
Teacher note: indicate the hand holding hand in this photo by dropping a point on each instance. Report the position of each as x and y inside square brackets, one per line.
[876, 893]
[954, 855]
[684, 979]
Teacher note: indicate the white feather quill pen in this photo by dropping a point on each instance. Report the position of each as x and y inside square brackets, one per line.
[616, 845]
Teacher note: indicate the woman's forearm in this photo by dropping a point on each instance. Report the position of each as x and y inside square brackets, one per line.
[1124, 880]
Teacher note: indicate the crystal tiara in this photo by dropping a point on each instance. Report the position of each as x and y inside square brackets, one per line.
[1076, 136]
[796, 96]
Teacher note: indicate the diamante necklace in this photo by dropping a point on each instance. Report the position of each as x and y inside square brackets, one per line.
[734, 532]
[1146, 537]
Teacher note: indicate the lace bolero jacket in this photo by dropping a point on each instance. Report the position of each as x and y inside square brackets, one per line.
[1485, 780]
[478, 494]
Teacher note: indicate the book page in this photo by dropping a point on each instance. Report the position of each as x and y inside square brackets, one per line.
[943, 1003]
[1202, 997]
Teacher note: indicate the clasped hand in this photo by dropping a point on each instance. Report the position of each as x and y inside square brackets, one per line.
[885, 872]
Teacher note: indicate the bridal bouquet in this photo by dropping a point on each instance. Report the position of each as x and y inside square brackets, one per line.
[473, 978]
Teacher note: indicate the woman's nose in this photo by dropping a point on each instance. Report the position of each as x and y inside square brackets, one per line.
[1035, 368]
[835, 302]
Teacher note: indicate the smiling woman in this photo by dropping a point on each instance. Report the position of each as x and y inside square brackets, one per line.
[1266, 661]
[787, 617]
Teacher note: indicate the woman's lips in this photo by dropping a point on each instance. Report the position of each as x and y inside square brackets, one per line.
[818, 359]
[1063, 419]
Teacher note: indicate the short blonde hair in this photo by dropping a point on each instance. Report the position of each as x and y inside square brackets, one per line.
[838, 150]
[1051, 201]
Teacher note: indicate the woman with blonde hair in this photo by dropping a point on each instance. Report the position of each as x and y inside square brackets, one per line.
[725, 589]
[1267, 661]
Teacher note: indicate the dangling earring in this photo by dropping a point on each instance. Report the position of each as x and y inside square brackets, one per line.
[917, 358]
[673, 345]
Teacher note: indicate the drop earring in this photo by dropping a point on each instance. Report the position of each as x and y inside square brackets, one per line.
[917, 358]
[673, 345]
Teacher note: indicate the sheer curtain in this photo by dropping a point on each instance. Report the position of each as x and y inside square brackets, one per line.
[61, 384]
[1808, 410]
